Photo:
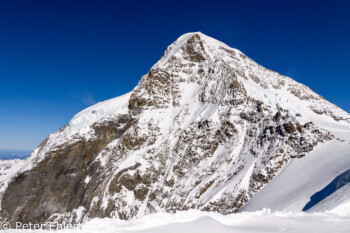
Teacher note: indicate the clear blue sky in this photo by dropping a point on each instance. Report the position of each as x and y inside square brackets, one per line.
[58, 57]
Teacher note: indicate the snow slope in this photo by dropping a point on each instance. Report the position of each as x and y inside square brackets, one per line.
[204, 222]
[109, 108]
[338, 202]
[300, 179]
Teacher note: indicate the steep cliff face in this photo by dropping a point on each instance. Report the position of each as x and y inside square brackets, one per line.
[205, 128]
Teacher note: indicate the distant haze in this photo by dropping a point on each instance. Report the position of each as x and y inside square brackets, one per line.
[14, 154]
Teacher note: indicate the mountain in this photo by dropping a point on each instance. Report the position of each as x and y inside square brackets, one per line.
[206, 128]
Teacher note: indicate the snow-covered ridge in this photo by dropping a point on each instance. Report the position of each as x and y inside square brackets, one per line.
[112, 107]
[8, 166]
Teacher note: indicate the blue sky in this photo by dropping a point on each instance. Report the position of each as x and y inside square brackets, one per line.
[59, 57]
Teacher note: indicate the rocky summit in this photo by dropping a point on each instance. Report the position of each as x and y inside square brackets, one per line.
[206, 128]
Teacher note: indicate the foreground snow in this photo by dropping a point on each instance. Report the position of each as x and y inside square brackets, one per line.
[196, 221]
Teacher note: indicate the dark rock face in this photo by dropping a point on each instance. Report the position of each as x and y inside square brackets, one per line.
[156, 79]
[56, 184]
[192, 138]
[194, 49]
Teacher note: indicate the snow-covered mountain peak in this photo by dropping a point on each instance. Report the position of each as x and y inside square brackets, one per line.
[206, 128]
[210, 42]
[192, 53]
[181, 70]
[207, 44]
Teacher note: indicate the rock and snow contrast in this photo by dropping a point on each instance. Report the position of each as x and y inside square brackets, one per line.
[206, 129]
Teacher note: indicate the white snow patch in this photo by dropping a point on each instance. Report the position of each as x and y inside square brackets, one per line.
[87, 179]
[112, 107]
